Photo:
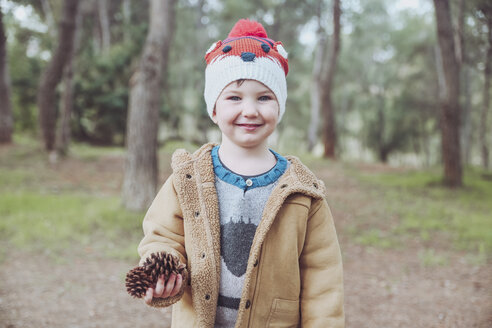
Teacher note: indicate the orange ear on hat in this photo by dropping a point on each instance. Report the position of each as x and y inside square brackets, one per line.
[212, 48]
[280, 49]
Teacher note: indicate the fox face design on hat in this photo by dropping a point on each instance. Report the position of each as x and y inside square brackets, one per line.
[247, 53]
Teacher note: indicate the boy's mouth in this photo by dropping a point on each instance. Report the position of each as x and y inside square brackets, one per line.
[249, 126]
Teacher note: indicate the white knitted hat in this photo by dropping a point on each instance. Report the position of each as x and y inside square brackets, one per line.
[247, 53]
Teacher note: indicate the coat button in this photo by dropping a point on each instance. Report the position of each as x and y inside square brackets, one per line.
[188, 176]
[256, 263]
[249, 183]
[207, 297]
[248, 304]
[203, 255]
[283, 186]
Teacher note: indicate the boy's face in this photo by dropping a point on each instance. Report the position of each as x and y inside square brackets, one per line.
[247, 114]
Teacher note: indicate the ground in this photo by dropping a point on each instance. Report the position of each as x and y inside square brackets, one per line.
[384, 287]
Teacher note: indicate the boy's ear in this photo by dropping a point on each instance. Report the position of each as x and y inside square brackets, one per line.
[214, 116]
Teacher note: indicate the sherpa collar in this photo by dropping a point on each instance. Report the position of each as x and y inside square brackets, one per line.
[297, 178]
[226, 175]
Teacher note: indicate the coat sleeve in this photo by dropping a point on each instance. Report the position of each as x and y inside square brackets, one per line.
[321, 271]
[164, 231]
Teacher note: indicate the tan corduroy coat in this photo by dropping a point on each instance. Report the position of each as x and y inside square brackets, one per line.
[294, 274]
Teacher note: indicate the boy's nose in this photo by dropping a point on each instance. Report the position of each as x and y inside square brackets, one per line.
[249, 109]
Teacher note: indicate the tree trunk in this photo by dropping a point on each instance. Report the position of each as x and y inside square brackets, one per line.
[484, 149]
[53, 73]
[382, 144]
[329, 125]
[103, 13]
[50, 21]
[6, 119]
[319, 54]
[66, 101]
[466, 122]
[127, 17]
[450, 107]
[141, 171]
[467, 126]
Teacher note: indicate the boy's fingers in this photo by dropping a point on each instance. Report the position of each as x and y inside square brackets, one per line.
[169, 285]
[177, 285]
[148, 295]
[159, 288]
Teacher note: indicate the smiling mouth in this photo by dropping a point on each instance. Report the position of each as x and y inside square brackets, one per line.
[249, 124]
[249, 127]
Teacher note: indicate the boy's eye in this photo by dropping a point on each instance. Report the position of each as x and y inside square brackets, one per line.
[234, 98]
[265, 98]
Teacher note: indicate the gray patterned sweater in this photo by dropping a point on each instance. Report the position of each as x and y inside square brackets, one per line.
[241, 203]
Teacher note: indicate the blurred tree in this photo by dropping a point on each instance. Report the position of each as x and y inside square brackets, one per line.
[44, 7]
[101, 79]
[28, 47]
[461, 57]
[141, 170]
[326, 84]
[6, 119]
[63, 133]
[450, 106]
[103, 13]
[53, 73]
[386, 83]
[319, 59]
[485, 8]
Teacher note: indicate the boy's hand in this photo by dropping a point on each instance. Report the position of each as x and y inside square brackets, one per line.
[172, 288]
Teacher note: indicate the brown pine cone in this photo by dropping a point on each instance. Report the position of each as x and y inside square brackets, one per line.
[137, 282]
[139, 279]
[163, 264]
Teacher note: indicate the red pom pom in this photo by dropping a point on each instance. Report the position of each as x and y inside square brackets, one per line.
[245, 27]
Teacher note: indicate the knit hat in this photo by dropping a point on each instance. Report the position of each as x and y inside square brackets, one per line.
[247, 53]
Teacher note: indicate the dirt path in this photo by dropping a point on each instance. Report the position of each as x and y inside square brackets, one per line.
[82, 292]
[383, 287]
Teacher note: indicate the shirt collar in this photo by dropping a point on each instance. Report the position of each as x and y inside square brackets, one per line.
[261, 180]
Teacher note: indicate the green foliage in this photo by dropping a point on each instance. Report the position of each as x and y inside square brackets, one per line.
[25, 68]
[102, 81]
[425, 207]
[385, 87]
[101, 85]
[388, 76]
[56, 221]
[41, 211]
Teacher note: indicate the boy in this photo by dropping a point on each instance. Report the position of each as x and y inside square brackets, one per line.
[252, 226]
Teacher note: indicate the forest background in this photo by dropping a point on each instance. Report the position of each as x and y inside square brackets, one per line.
[369, 108]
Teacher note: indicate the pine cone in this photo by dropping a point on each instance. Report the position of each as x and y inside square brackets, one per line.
[137, 282]
[163, 264]
[139, 279]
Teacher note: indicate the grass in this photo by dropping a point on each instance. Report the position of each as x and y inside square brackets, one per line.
[425, 208]
[39, 209]
[57, 222]
[429, 257]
